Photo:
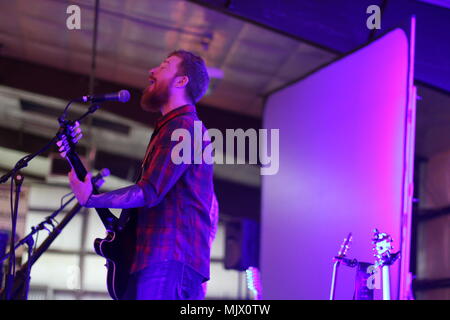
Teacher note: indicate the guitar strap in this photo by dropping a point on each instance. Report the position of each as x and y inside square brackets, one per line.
[126, 213]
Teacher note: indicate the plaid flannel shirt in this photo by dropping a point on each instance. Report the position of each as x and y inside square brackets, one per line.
[176, 224]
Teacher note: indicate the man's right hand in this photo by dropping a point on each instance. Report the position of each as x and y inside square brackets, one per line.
[81, 189]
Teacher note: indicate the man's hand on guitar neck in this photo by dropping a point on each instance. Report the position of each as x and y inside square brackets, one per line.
[81, 189]
[124, 198]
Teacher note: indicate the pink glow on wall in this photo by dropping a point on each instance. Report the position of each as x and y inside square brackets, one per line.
[342, 151]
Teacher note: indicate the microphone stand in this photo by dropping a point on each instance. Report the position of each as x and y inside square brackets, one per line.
[22, 277]
[28, 240]
[21, 281]
[18, 179]
[11, 291]
[22, 163]
[92, 108]
[14, 173]
[39, 227]
[349, 263]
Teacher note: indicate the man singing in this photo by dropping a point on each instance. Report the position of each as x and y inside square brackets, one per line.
[176, 209]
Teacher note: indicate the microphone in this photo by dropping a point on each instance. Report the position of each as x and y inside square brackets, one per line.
[98, 179]
[121, 96]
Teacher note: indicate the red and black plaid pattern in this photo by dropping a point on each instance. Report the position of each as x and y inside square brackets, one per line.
[175, 224]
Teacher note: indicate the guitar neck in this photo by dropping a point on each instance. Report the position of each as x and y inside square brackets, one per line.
[106, 216]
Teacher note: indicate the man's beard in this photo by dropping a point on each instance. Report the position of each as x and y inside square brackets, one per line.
[155, 96]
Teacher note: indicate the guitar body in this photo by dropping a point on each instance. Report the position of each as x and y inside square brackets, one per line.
[118, 250]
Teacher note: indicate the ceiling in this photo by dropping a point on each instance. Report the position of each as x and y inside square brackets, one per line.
[135, 35]
[340, 26]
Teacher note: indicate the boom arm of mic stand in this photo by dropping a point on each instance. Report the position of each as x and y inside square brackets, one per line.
[348, 262]
[94, 107]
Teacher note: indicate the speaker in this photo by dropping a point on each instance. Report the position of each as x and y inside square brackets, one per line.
[241, 244]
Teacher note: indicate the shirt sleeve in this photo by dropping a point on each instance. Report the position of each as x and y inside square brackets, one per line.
[214, 216]
[161, 172]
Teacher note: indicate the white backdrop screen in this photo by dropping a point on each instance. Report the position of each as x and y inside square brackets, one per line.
[342, 146]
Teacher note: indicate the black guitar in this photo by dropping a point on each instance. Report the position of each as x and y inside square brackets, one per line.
[119, 244]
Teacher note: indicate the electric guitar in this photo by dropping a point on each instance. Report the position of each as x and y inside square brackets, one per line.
[345, 246]
[384, 258]
[118, 245]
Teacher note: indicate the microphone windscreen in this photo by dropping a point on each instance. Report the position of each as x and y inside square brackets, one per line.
[124, 95]
[105, 172]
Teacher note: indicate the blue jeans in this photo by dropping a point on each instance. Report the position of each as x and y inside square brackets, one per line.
[167, 280]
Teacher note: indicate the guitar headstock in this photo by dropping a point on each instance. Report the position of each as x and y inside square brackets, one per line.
[382, 245]
[254, 282]
[69, 135]
[345, 246]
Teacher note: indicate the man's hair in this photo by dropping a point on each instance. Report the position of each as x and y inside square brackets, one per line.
[194, 68]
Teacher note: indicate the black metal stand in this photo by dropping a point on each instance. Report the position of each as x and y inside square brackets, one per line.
[25, 271]
[30, 244]
[64, 122]
[22, 276]
[22, 163]
[39, 227]
[18, 180]
[17, 284]
[349, 263]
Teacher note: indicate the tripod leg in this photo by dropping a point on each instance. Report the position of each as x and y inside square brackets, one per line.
[333, 280]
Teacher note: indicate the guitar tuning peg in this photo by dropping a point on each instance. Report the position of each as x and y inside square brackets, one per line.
[63, 154]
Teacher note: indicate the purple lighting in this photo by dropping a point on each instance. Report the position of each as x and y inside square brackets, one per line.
[254, 282]
[343, 145]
